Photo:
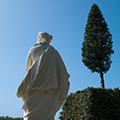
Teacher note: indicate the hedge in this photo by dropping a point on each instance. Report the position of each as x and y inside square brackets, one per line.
[9, 118]
[92, 104]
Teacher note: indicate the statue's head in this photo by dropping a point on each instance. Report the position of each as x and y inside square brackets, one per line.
[43, 36]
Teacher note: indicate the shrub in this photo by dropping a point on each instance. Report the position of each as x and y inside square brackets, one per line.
[92, 104]
[9, 118]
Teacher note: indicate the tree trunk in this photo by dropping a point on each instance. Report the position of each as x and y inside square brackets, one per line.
[102, 80]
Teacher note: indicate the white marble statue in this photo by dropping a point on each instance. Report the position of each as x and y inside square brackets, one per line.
[46, 82]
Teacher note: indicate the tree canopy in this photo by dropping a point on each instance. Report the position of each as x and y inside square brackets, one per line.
[97, 44]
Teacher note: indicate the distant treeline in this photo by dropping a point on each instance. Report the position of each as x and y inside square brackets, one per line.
[10, 118]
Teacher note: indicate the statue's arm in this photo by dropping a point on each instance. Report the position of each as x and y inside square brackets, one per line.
[29, 62]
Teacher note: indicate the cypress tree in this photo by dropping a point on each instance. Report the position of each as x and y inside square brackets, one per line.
[97, 44]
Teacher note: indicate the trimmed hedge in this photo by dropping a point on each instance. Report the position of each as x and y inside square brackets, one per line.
[92, 104]
[9, 118]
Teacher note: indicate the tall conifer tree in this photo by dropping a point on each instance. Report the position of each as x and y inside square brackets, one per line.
[97, 44]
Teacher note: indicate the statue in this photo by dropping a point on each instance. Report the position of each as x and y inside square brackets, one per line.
[46, 84]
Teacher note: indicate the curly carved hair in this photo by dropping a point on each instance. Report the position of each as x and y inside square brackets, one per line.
[43, 36]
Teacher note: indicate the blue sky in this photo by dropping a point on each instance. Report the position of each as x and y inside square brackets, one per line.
[20, 22]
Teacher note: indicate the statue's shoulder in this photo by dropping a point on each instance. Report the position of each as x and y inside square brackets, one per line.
[52, 48]
[38, 47]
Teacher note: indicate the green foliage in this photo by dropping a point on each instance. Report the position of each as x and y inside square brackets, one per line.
[97, 44]
[92, 104]
[10, 118]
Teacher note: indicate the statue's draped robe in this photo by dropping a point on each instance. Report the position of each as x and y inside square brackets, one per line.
[45, 84]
